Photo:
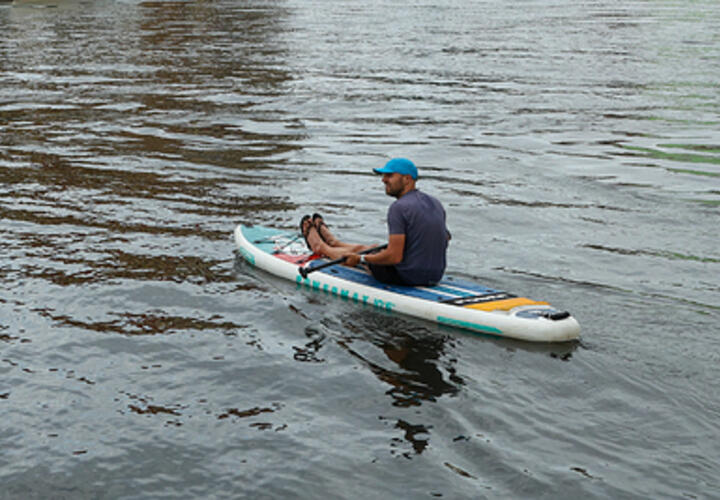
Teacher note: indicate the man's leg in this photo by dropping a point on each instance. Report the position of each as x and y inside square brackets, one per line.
[320, 247]
[329, 238]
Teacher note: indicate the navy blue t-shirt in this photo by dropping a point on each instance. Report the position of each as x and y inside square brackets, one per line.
[421, 218]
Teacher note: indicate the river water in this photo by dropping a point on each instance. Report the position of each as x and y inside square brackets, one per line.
[575, 145]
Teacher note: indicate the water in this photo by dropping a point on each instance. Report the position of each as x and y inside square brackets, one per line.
[575, 147]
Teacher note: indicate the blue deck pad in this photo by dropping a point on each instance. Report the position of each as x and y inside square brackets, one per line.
[469, 286]
[446, 290]
[270, 239]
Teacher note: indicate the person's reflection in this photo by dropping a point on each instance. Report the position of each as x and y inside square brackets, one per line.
[423, 374]
[419, 370]
[420, 379]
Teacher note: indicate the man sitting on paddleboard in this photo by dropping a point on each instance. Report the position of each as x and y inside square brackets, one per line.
[417, 239]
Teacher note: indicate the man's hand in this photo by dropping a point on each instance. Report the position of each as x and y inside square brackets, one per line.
[352, 260]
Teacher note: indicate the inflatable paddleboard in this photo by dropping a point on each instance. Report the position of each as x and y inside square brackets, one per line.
[452, 302]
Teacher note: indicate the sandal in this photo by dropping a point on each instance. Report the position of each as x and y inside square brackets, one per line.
[305, 228]
[318, 222]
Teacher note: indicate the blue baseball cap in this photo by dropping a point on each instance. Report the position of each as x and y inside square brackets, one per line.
[401, 166]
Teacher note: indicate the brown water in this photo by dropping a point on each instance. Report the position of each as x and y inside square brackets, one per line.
[577, 152]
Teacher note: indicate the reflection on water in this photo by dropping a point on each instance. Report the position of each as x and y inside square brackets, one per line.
[153, 323]
[417, 376]
[414, 374]
[415, 367]
[416, 435]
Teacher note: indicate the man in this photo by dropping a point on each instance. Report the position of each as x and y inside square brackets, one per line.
[417, 234]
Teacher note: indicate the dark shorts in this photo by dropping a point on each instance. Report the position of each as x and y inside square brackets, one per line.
[386, 274]
[390, 276]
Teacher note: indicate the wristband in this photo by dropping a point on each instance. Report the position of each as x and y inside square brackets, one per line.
[362, 260]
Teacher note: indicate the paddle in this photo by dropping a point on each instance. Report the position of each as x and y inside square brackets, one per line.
[304, 271]
[278, 250]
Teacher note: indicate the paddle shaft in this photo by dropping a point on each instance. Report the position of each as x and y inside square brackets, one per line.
[304, 271]
[297, 237]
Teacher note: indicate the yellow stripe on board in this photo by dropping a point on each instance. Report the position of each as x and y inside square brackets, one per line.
[505, 305]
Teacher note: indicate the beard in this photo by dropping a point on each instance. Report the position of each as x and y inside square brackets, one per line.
[393, 191]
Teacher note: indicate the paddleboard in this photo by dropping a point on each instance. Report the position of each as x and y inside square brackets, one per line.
[453, 302]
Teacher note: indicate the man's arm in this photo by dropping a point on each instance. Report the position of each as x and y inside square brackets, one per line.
[392, 255]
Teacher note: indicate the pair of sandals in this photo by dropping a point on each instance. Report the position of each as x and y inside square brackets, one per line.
[317, 222]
